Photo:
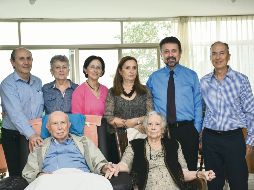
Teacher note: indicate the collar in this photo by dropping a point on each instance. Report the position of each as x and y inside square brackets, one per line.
[176, 69]
[66, 141]
[53, 84]
[18, 78]
[230, 74]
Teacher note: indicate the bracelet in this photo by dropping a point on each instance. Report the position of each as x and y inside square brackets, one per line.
[197, 174]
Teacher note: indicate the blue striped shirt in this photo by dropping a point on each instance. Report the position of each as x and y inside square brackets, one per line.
[229, 103]
[21, 102]
[63, 155]
[187, 93]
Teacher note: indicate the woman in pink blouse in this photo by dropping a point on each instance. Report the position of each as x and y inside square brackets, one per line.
[90, 97]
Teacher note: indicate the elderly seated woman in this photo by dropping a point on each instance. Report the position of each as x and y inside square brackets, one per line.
[157, 162]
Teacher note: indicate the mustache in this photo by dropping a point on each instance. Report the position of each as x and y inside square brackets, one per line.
[171, 58]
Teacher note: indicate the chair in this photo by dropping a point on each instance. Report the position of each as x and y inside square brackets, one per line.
[13, 183]
[197, 184]
[3, 165]
[122, 182]
[249, 158]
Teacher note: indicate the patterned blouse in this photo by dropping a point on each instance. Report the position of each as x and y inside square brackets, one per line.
[158, 175]
[117, 106]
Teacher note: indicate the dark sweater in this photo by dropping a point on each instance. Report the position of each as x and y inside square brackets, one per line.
[140, 165]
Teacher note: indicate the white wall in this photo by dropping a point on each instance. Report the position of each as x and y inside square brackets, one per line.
[122, 9]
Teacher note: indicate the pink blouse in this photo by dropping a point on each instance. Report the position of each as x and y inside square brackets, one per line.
[85, 102]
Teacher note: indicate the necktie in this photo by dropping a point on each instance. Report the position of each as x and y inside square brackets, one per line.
[171, 107]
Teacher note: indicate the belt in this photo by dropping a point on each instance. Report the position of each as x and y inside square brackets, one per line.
[181, 124]
[223, 133]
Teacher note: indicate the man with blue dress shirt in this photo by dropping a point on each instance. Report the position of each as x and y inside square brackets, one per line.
[22, 101]
[188, 106]
[229, 106]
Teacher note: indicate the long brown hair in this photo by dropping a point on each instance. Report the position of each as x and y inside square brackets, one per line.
[118, 80]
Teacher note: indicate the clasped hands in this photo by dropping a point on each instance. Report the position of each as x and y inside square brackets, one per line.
[208, 175]
[128, 123]
[110, 170]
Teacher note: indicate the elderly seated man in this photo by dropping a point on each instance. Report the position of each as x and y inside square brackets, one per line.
[65, 158]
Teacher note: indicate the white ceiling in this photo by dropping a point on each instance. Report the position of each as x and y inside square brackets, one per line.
[122, 8]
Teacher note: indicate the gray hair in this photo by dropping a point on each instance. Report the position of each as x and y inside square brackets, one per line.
[61, 58]
[53, 113]
[163, 119]
[219, 42]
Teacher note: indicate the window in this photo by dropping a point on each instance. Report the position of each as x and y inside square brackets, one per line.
[9, 33]
[69, 33]
[112, 39]
[41, 63]
[148, 31]
[110, 58]
[6, 67]
[147, 61]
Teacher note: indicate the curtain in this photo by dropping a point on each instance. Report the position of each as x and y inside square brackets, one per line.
[198, 33]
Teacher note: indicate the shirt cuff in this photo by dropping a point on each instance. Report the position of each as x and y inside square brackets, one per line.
[250, 141]
[28, 132]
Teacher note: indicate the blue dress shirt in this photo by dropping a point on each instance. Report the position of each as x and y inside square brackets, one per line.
[229, 103]
[21, 102]
[63, 155]
[54, 100]
[187, 93]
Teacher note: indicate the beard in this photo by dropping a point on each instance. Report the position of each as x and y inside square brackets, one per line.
[171, 61]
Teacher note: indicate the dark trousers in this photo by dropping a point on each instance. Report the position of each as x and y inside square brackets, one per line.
[113, 150]
[188, 138]
[16, 151]
[122, 182]
[225, 154]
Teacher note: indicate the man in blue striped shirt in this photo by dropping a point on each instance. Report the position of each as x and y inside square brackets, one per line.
[22, 101]
[229, 108]
[188, 104]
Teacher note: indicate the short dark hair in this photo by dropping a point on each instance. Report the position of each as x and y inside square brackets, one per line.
[61, 58]
[89, 60]
[172, 40]
[13, 53]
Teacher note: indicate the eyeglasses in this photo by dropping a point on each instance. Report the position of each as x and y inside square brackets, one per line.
[59, 123]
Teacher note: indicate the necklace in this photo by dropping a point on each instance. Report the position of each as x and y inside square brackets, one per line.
[130, 93]
[154, 156]
[93, 87]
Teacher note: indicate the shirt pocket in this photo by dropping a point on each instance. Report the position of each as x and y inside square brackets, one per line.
[49, 96]
[49, 100]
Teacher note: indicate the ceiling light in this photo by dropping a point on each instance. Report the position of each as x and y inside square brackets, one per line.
[32, 2]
